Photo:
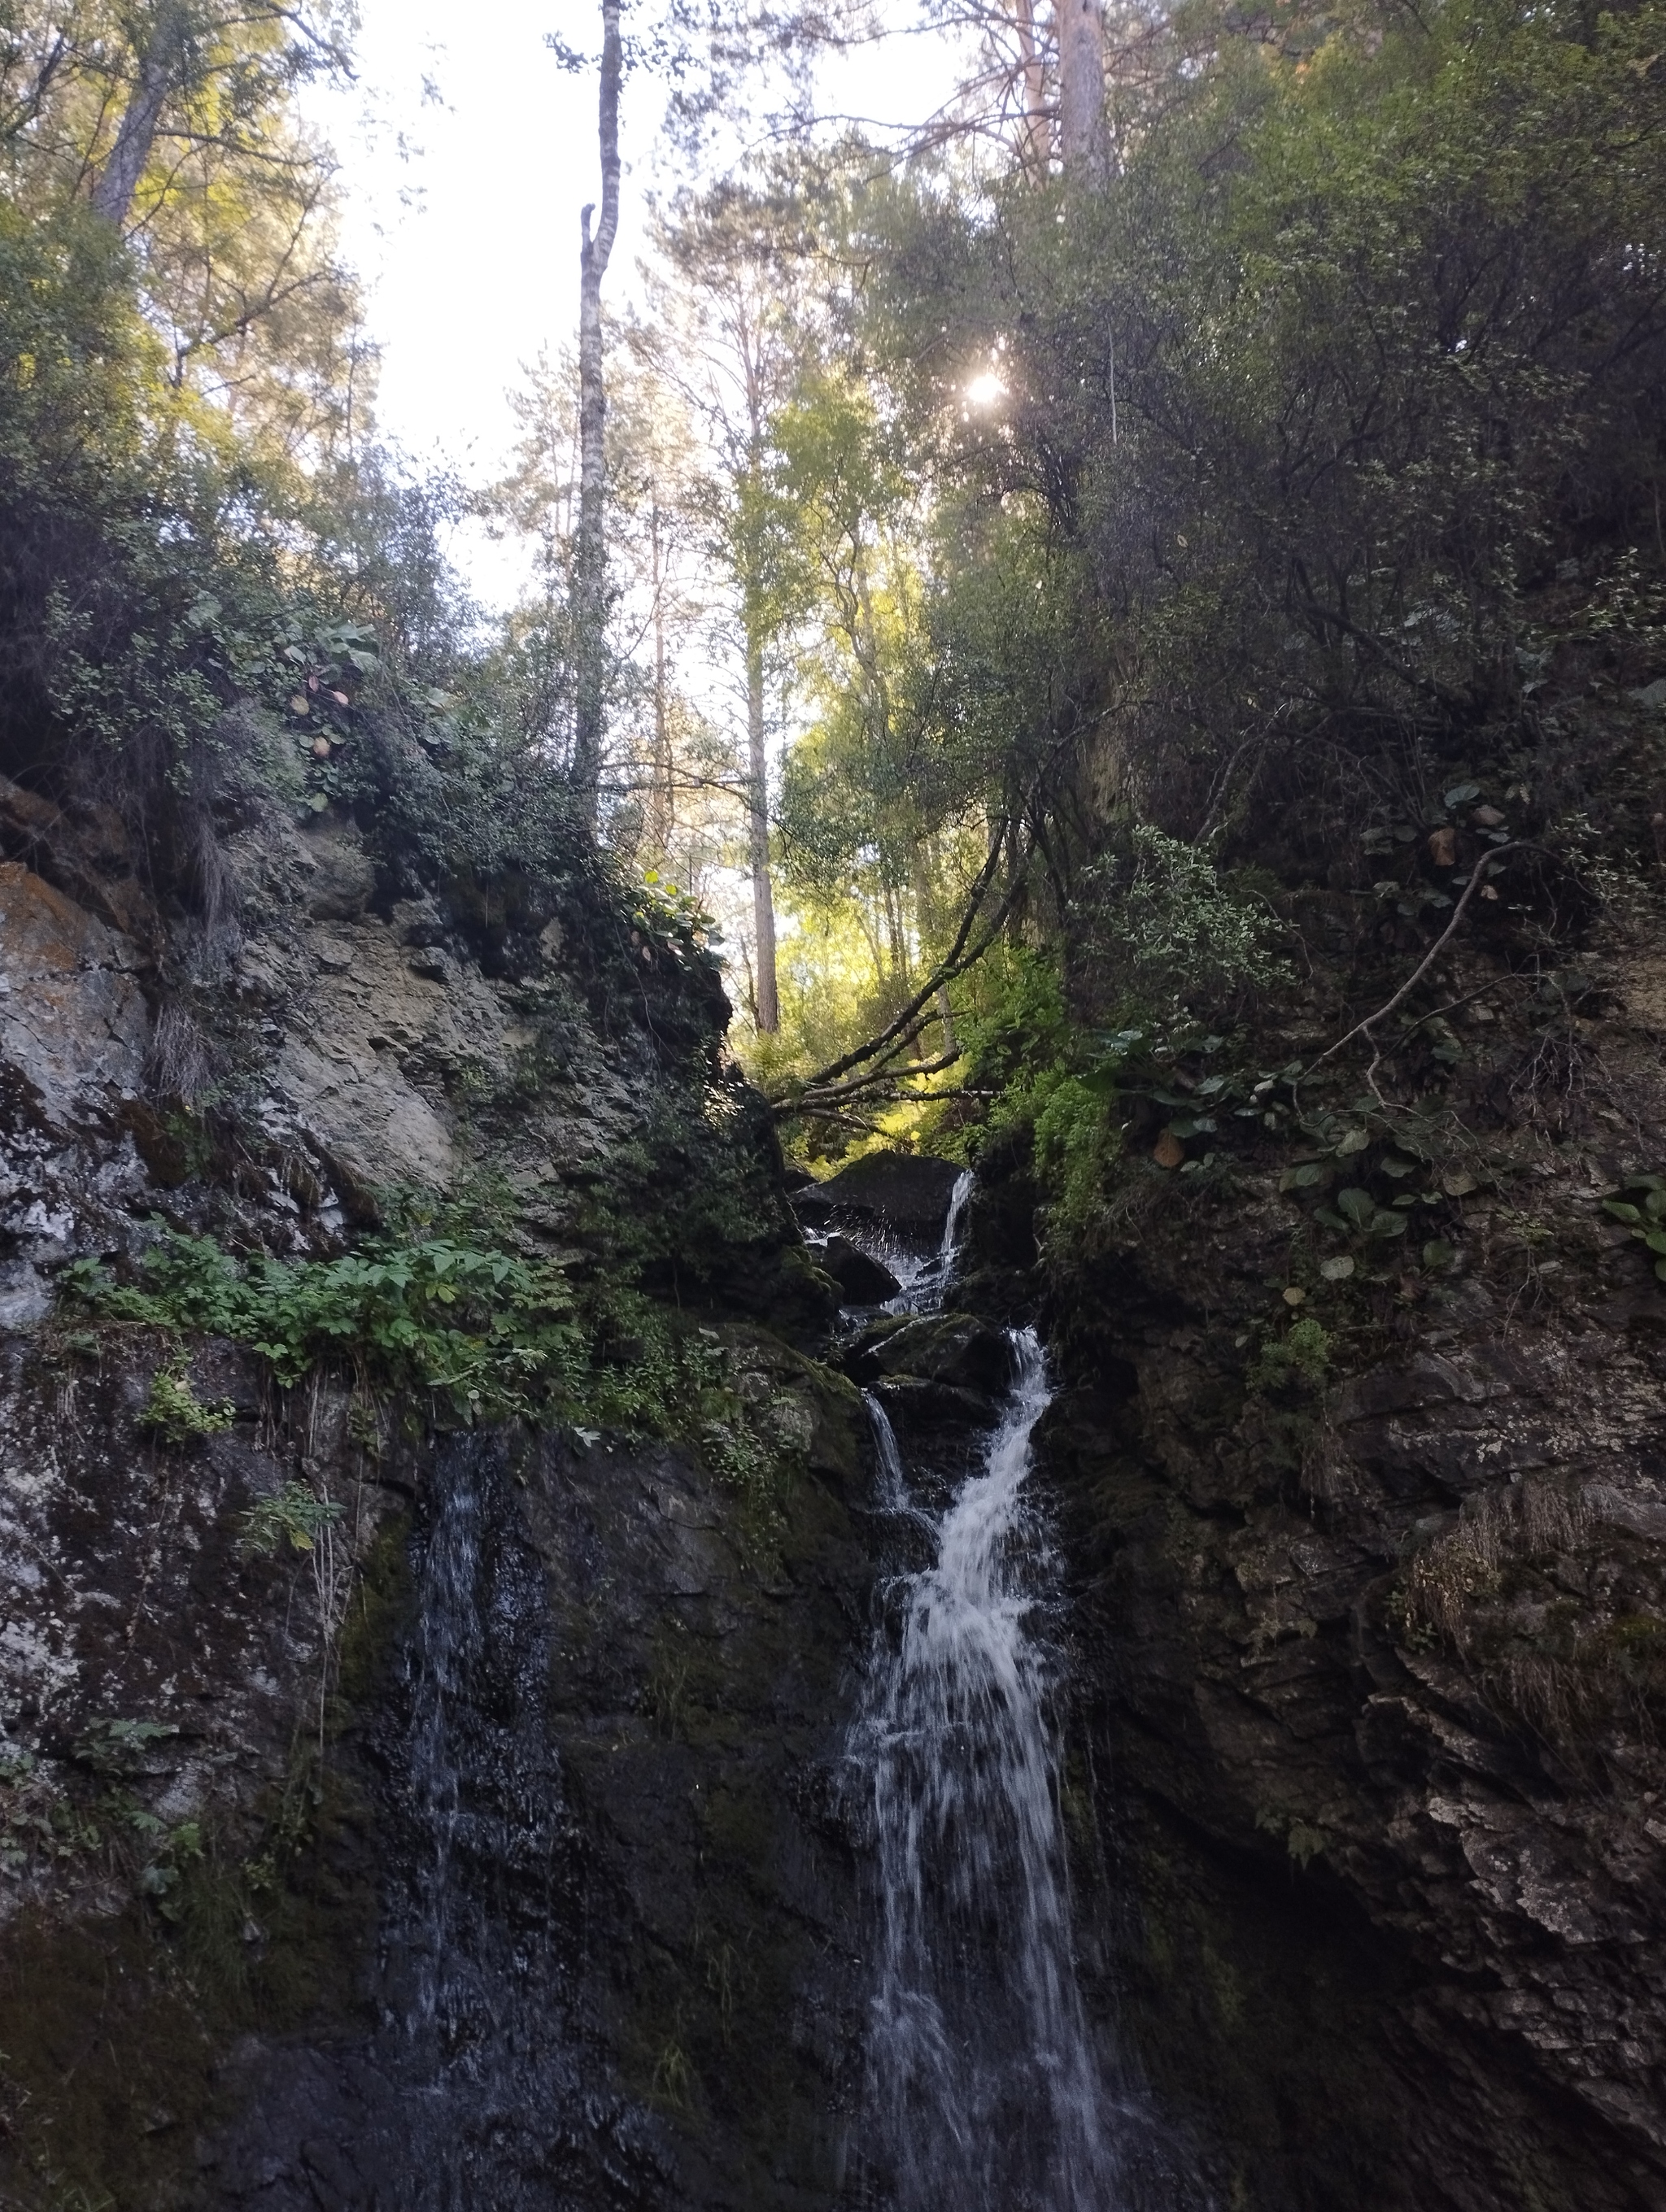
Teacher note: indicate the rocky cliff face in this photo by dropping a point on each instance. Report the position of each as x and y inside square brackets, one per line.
[471, 1841]
[1368, 1547]
[479, 1840]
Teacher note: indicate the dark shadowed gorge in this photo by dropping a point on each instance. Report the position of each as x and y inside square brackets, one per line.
[832, 1379]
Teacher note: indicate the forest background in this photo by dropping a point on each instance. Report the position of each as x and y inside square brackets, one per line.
[1060, 576]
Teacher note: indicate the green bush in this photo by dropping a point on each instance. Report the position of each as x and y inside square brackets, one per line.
[1300, 1358]
[485, 1333]
[173, 1412]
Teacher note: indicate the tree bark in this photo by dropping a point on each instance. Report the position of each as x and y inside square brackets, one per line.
[590, 552]
[1035, 131]
[113, 193]
[1082, 138]
[662, 818]
[763, 904]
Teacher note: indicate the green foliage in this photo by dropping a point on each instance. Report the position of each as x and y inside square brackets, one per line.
[172, 1411]
[1300, 1358]
[485, 1333]
[489, 1333]
[1640, 1203]
[1164, 928]
[670, 920]
[292, 1515]
[116, 1748]
[1076, 1143]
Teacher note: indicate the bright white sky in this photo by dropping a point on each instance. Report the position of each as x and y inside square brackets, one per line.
[467, 154]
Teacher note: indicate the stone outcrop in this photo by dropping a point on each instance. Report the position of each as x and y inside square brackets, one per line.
[1371, 1659]
[222, 1789]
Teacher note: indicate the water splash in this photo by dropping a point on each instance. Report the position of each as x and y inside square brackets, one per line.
[924, 1278]
[893, 1484]
[982, 2075]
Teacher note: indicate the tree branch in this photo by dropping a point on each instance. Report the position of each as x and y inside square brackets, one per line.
[955, 963]
[1477, 875]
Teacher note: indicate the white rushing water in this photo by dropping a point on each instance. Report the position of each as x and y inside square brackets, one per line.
[923, 1277]
[985, 2091]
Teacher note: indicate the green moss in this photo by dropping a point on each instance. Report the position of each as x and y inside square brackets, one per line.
[114, 2029]
[381, 1606]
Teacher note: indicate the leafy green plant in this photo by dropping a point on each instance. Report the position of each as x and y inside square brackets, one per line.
[1360, 1213]
[484, 1330]
[173, 1412]
[117, 1747]
[675, 921]
[174, 1849]
[1640, 1203]
[488, 1336]
[1076, 1142]
[1183, 936]
[1301, 1356]
[292, 1515]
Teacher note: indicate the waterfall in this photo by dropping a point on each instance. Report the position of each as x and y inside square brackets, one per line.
[893, 1485]
[475, 2040]
[983, 2077]
[949, 1251]
[447, 1650]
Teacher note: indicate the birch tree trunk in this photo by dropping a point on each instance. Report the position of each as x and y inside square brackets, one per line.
[662, 816]
[1082, 138]
[763, 904]
[590, 551]
[113, 193]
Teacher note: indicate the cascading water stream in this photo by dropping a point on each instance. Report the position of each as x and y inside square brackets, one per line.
[924, 1278]
[985, 2090]
[982, 2072]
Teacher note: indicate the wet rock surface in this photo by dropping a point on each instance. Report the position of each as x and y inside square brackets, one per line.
[903, 1196]
[390, 1868]
[613, 1962]
[862, 1280]
[1367, 1669]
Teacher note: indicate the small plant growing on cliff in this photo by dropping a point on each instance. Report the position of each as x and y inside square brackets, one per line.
[1302, 1356]
[1640, 1203]
[293, 1516]
[174, 1413]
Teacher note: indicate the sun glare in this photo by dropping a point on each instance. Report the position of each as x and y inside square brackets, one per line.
[984, 391]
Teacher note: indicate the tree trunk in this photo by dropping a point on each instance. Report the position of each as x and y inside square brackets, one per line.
[662, 817]
[1082, 140]
[590, 553]
[1035, 132]
[113, 194]
[927, 922]
[763, 904]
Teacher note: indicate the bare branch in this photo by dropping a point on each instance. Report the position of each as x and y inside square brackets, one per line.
[1477, 875]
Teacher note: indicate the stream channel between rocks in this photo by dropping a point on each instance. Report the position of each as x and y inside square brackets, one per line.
[986, 2089]
[965, 2068]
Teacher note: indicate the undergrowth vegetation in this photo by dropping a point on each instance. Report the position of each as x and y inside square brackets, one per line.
[448, 1331]
[1556, 1616]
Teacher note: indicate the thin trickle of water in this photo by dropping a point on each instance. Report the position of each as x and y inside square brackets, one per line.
[925, 1278]
[982, 2075]
[893, 1484]
[474, 2042]
[447, 1653]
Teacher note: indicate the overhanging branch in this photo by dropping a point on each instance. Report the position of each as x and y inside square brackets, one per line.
[825, 1087]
